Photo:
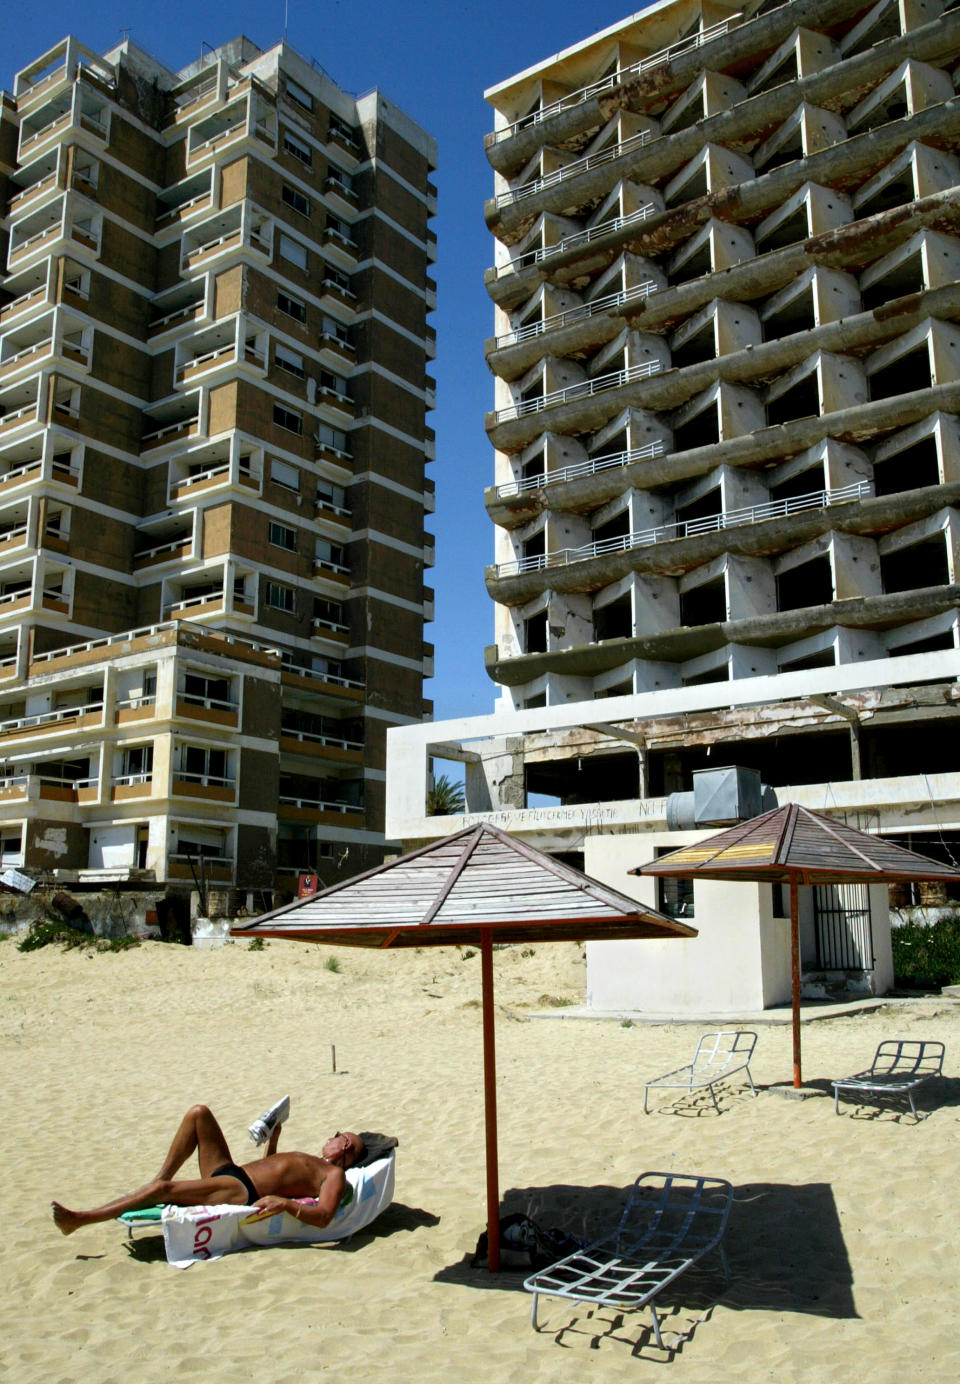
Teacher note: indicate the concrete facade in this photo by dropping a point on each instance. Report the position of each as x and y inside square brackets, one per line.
[213, 398]
[726, 280]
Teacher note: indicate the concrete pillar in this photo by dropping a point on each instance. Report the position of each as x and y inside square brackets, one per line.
[751, 588]
[656, 604]
[856, 567]
[944, 345]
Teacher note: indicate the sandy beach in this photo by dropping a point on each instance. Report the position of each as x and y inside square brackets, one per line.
[842, 1240]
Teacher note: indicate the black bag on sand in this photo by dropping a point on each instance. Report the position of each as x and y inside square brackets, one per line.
[525, 1245]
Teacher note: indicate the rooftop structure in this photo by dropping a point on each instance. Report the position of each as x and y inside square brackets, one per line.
[213, 398]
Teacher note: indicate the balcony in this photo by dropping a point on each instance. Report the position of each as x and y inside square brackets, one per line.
[177, 431]
[213, 478]
[62, 718]
[214, 787]
[578, 240]
[322, 745]
[609, 303]
[216, 869]
[35, 298]
[175, 550]
[583, 389]
[666, 533]
[132, 709]
[574, 169]
[178, 317]
[65, 790]
[213, 710]
[174, 215]
[579, 469]
[18, 418]
[339, 408]
[207, 603]
[330, 629]
[291, 808]
[612, 80]
[126, 786]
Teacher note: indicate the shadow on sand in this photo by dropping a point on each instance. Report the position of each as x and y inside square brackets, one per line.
[784, 1247]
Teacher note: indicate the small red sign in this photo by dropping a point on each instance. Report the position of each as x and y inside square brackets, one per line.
[309, 884]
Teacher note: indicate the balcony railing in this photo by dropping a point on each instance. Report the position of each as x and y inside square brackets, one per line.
[584, 389]
[18, 305]
[204, 780]
[581, 468]
[579, 239]
[572, 170]
[689, 528]
[318, 804]
[51, 718]
[211, 598]
[578, 314]
[317, 675]
[127, 780]
[615, 79]
[313, 738]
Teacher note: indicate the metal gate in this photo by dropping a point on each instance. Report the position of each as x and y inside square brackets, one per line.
[844, 935]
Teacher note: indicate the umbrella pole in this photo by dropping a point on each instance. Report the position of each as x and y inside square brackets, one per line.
[795, 975]
[490, 1102]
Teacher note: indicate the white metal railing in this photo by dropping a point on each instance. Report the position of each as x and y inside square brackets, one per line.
[204, 780]
[328, 565]
[18, 304]
[195, 362]
[45, 130]
[126, 780]
[13, 534]
[330, 508]
[331, 339]
[185, 206]
[572, 170]
[200, 476]
[583, 389]
[208, 245]
[614, 79]
[230, 132]
[210, 703]
[689, 528]
[54, 781]
[188, 311]
[16, 414]
[338, 288]
[14, 781]
[211, 598]
[9, 597]
[579, 238]
[345, 241]
[320, 624]
[26, 352]
[335, 679]
[184, 424]
[33, 189]
[319, 739]
[49, 718]
[17, 248]
[581, 468]
[580, 313]
[174, 546]
[318, 804]
[135, 703]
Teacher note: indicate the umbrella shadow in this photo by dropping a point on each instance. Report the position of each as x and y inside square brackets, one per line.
[784, 1247]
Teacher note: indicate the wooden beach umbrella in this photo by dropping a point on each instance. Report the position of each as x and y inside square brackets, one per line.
[794, 846]
[478, 887]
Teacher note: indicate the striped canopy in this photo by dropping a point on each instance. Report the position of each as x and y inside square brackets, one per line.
[447, 893]
[791, 840]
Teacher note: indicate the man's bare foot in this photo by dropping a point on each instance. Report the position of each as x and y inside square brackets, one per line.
[66, 1221]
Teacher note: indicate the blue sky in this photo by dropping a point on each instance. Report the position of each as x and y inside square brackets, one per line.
[434, 58]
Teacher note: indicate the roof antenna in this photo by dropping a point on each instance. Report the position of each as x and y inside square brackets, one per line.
[286, 17]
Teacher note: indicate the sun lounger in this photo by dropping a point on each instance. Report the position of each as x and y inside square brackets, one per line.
[718, 1056]
[900, 1067]
[670, 1221]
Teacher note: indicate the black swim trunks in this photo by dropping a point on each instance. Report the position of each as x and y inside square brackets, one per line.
[234, 1170]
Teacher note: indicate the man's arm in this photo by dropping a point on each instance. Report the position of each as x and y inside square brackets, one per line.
[271, 1145]
[329, 1195]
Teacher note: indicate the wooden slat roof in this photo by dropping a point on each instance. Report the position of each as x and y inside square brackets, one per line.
[792, 840]
[446, 893]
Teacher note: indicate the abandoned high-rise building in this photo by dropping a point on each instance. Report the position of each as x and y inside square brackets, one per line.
[213, 395]
[726, 287]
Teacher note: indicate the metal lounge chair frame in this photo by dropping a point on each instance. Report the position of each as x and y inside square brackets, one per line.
[719, 1055]
[670, 1221]
[900, 1066]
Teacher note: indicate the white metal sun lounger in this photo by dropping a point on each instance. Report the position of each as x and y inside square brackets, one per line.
[717, 1057]
[670, 1221]
[899, 1067]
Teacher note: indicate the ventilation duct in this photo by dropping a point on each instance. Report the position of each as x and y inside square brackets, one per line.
[720, 798]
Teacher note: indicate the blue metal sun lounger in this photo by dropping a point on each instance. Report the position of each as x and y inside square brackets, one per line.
[670, 1221]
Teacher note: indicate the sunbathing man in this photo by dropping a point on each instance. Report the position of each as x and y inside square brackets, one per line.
[270, 1183]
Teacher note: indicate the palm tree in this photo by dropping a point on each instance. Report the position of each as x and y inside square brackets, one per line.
[445, 797]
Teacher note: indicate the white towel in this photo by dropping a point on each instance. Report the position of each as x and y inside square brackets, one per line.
[194, 1234]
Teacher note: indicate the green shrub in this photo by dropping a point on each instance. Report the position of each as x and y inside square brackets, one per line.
[927, 956]
[49, 933]
[332, 963]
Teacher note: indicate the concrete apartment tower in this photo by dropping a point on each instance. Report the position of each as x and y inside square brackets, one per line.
[213, 396]
[726, 281]
[727, 360]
